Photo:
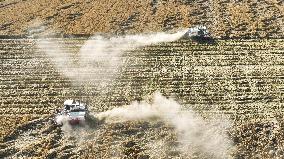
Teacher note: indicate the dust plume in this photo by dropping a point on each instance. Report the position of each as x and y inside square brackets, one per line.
[194, 133]
[66, 127]
[100, 58]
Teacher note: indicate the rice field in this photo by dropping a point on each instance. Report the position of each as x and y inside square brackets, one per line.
[240, 79]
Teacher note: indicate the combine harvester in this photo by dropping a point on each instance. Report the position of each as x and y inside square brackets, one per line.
[74, 112]
[199, 34]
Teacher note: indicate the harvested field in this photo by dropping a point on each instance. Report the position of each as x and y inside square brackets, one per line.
[241, 80]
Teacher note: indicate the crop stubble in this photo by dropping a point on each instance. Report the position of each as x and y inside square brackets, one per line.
[241, 78]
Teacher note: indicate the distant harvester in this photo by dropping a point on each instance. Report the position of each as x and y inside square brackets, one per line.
[199, 34]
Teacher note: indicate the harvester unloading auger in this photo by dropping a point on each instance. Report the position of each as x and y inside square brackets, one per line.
[74, 112]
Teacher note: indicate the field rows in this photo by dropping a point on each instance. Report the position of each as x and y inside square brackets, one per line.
[186, 68]
[240, 79]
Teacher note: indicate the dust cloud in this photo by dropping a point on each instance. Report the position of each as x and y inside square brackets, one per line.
[194, 133]
[99, 59]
